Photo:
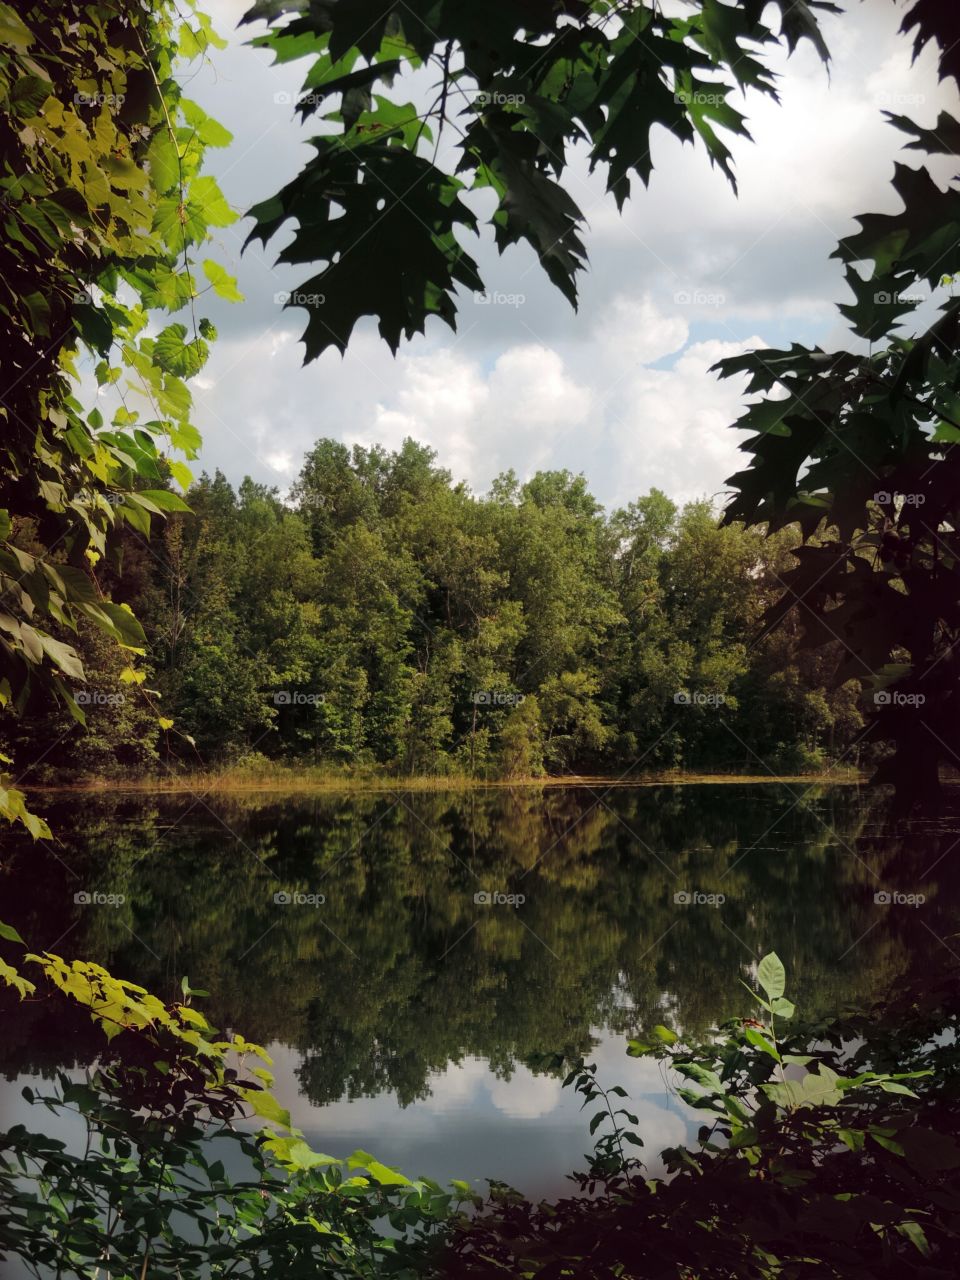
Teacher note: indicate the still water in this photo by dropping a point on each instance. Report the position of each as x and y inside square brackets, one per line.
[404, 954]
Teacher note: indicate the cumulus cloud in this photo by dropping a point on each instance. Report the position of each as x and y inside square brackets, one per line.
[688, 273]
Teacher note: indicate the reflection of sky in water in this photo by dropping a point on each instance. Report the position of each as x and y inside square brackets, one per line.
[617, 949]
[526, 1130]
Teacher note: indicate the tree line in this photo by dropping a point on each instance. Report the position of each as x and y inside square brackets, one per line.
[382, 614]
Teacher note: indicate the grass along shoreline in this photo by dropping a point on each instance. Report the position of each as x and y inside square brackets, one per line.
[284, 779]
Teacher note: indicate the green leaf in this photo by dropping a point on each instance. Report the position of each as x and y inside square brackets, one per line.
[771, 975]
[384, 1175]
[174, 355]
[760, 1041]
[164, 499]
[266, 1105]
[913, 1232]
[13, 979]
[14, 33]
[117, 621]
[391, 253]
[63, 657]
[163, 161]
[224, 285]
[665, 1035]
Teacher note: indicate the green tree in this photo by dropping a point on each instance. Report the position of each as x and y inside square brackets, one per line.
[103, 208]
[862, 450]
[527, 82]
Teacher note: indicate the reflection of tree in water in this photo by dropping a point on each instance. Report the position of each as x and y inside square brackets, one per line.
[400, 972]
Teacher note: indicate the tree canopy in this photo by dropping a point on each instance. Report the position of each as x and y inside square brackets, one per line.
[523, 86]
[104, 213]
[860, 450]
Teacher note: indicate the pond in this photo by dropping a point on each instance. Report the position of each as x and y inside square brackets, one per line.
[405, 954]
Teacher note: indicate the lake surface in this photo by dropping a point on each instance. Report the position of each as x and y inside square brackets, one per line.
[402, 1009]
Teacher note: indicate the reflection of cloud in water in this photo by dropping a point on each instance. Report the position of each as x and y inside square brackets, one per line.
[476, 1125]
[470, 1086]
[526, 1096]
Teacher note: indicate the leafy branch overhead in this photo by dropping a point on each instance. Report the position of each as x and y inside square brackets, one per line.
[860, 443]
[519, 85]
[102, 208]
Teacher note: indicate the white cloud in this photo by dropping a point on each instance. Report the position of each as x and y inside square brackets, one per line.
[536, 385]
[526, 1096]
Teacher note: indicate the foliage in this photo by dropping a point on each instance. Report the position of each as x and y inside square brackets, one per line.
[394, 619]
[817, 1157]
[864, 439]
[103, 210]
[598, 942]
[166, 1183]
[530, 83]
[826, 1150]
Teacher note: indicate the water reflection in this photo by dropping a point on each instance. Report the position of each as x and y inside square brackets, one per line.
[399, 985]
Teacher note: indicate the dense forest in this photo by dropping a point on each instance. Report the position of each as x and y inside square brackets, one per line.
[385, 615]
[380, 619]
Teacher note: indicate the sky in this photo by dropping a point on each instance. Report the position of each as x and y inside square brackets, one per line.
[621, 389]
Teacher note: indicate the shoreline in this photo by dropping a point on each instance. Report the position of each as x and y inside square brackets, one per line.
[304, 783]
